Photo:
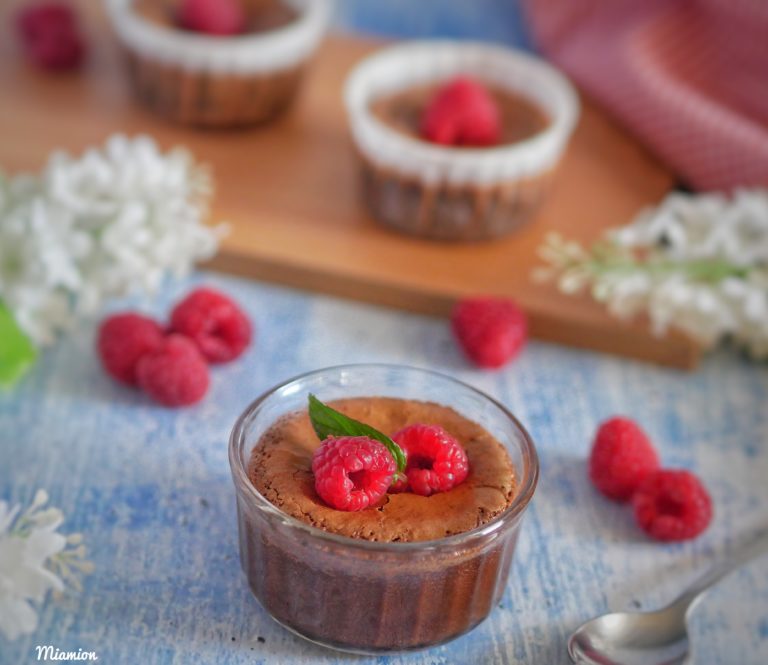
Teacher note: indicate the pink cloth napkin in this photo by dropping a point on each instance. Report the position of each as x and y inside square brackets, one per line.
[688, 77]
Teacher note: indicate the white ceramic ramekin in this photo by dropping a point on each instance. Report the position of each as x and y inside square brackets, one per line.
[218, 81]
[457, 193]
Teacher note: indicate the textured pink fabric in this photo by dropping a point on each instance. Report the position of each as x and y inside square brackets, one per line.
[689, 77]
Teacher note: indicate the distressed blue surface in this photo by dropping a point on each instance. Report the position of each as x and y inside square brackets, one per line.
[151, 491]
[488, 20]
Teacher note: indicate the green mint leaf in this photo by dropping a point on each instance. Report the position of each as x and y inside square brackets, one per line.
[329, 422]
[17, 353]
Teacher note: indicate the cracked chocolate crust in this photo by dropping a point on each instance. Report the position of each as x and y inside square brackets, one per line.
[280, 469]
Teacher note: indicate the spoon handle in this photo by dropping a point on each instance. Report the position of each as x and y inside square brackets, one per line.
[754, 548]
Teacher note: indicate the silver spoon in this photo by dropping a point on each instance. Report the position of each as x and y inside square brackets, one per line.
[653, 638]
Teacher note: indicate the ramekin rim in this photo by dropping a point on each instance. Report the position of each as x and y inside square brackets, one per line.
[558, 130]
[312, 19]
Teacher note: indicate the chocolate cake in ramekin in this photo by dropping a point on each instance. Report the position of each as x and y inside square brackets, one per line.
[220, 81]
[408, 573]
[457, 193]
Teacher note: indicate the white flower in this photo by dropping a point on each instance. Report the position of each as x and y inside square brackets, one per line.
[698, 263]
[30, 546]
[113, 221]
[704, 226]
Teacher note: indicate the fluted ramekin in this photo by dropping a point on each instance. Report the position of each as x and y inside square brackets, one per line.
[456, 193]
[214, 81]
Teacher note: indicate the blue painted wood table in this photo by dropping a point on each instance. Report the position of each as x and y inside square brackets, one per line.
[150, 488]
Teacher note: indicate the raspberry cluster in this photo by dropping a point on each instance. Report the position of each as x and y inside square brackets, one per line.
[355, 472]
[171, 364]
[669, 504]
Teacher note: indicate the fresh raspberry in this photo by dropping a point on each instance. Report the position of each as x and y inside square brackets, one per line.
[214, 322]
[622, 456]
[213, 17]
[174, 374]
[491, 330]
[462, 113]
[672, 505]
[123, 339]
[50, 35]
[352, 472]
[436, 461]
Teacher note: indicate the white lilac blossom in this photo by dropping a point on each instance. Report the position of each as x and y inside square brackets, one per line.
[113, 221]
[698, 263]
[35, 559]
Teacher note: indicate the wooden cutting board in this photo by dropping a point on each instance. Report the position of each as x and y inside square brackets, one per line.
[290, 192]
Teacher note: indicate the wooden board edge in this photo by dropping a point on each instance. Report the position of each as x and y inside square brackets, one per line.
[635, 342]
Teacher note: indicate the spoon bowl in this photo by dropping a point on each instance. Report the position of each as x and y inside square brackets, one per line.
[632, 638]
[653, 638]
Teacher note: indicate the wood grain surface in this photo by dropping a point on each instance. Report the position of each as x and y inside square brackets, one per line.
[290, 192]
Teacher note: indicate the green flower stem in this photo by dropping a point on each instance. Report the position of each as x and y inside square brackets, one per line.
[608, 260]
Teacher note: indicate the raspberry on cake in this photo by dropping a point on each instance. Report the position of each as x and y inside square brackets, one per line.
[352, 472]
[213, 17]
[282, 470]
[436, 460]
[426, 458]
[462, 113]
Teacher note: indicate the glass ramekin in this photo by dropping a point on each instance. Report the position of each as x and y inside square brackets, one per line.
[362, 596]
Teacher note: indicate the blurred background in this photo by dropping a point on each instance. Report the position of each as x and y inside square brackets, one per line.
[490, 20]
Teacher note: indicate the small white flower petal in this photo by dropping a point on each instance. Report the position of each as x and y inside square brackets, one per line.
[115, 219]
[17, 617]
